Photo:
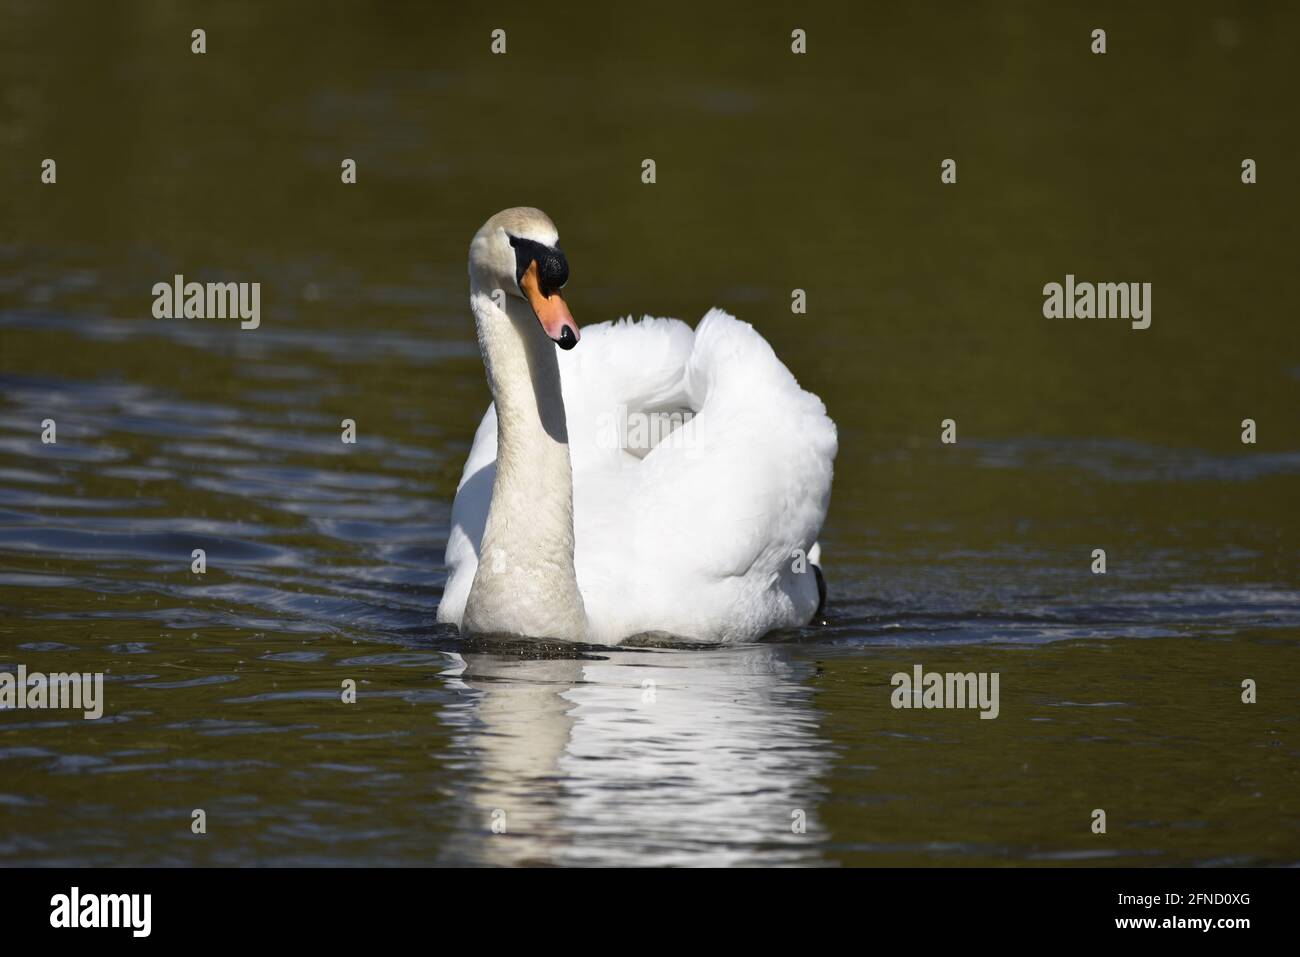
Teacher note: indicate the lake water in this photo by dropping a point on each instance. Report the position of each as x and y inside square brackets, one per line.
[1120, 692]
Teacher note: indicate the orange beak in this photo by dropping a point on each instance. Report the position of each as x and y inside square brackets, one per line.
[552, 311]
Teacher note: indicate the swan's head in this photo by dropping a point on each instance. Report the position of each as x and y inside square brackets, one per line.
[518, 252]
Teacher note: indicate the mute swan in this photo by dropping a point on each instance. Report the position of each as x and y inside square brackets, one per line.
[565, 527]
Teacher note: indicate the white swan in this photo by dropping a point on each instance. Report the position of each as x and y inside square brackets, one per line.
[565, 527]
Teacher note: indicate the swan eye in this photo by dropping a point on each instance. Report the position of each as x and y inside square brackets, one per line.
[552, 266]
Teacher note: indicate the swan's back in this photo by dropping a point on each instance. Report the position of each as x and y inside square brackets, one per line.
[704, 534]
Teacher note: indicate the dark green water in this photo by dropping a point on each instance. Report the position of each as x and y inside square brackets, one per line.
[775, 172]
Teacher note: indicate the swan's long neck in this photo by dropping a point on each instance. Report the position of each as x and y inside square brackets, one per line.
[525, 583]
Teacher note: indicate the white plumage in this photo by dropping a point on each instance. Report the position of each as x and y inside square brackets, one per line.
[707, 536]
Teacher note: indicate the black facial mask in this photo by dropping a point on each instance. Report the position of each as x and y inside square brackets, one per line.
[552, 267]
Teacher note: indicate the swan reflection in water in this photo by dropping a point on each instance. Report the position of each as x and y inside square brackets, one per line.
[637, 757]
